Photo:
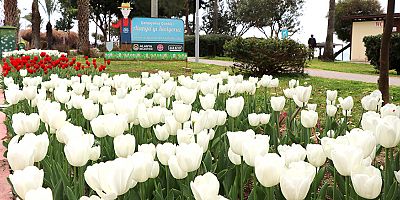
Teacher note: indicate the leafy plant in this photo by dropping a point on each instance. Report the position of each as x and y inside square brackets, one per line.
[258, 56]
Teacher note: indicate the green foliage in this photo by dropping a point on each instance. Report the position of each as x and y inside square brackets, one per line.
[210, 45]
[224, 24]
[347, 8]
[258, 56]
[373, 48]
[272, 14]
[68, 10]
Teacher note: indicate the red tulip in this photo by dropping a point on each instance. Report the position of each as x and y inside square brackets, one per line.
[42, 54]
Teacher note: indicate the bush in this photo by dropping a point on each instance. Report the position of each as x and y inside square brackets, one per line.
[373, 49]
[259, 56]
[210, 45]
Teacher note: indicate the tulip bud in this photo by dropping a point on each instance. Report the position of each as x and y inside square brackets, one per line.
[148, 148]
[29, 92]
[388, 131]
[309, 118]
[234, 158]
[205, 187]
[165, 151]
[234, 106]
[296, 180]
[292, 153]
[254, 119]
[303, 94]
[278, 103]
[189, 156]
[161, 132]
[176, 171]
[367, 181]
[315, 155]
[346, 158]
[181, 111]
[331, 110]
[30, 178]
[268, 169]
[347, 103]
[39, 194]
[20, 155]
[207, 101]
[331, 95]
[124, 145]
[90, 110]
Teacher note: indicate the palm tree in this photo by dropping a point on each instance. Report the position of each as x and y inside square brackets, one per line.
[49, 6]
[384, 57]
[328, 49]
[11, 15]
[35, 24]
[83, 26]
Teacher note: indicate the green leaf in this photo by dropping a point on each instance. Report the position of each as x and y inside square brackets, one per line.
[70, 194]
[322, 191]
[208, 161]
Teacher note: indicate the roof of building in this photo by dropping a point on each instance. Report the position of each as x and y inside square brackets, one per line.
[370, 17]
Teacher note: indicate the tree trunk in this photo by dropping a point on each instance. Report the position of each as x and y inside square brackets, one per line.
[83, 27]
[328, 49]
[187, 10]
[384, 57]
[49, 35]
[215, 16]
[35, 25]
[11, 15]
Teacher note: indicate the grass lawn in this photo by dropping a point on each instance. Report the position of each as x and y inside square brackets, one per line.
[345, 88]
[348, 67]
[339, 66]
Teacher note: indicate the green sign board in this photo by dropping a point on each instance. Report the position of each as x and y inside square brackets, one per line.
[7, 39]
[120, 55]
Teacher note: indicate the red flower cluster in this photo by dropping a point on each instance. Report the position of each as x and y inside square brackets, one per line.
[45, 63]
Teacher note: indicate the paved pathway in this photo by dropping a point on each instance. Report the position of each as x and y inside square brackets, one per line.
[5, 188]
[393, 81]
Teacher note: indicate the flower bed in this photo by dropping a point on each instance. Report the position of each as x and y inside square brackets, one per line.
[32, 53]
[44, 64]
[194, 137]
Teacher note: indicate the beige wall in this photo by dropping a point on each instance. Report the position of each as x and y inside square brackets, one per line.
[360, 30]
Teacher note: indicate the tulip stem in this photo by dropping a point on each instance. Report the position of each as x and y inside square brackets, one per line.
[346, 180]
[167, 178]
[387, 171]
[334, 182]
[241, 182]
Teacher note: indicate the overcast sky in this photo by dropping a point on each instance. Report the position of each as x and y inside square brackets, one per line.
[313, 21]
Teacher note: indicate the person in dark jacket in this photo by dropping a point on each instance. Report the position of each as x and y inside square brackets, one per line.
[312, 43]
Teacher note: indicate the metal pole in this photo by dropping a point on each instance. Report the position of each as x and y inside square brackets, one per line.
[197, 42]
[154, 8]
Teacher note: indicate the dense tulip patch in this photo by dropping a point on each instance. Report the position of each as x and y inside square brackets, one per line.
[203, 137]
[44, 64]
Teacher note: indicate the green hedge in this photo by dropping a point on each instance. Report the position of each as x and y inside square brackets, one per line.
[210, 45]
[257, 56]
[373, 48]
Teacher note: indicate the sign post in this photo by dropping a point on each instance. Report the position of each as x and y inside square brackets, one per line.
[197, 37]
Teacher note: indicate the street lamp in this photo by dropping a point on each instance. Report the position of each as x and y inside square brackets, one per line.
[197, 37]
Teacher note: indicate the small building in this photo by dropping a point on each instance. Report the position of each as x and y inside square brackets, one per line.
[366, 26]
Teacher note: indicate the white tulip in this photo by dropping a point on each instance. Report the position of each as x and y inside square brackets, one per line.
[181, 111]
[165, 151]
[30, 178]
[315, 155]
[189, 156]
[234, 158]
[309, 118]
[365, 140]
[124, 145]
[347, 103]
[278, 103]
[257, 146]
[40, 144]
[148, 148]
[237, 139]
[205, 187]
[20, 155]
[234, 106]
[207, 101]
[346, 158]
[254, 119]
[303, 94]
[331, 95]
[292, 153]
[367, 181]
[268, 169]
[331, 110]
[176, 171]
[296, 180]
[78, 150]
[388, 131]
[39, 194]
[90, 110]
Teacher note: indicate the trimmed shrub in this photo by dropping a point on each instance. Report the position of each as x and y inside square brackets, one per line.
[373, 49]
[210, 45]
[258, 56]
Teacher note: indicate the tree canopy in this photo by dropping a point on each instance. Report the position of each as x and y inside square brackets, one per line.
[346, 8]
